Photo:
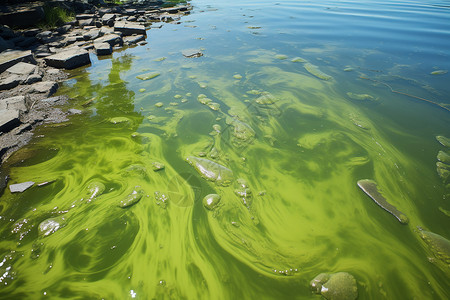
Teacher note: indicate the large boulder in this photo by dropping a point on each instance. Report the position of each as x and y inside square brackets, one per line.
[9, 119]
[10, 58]
[69, 59]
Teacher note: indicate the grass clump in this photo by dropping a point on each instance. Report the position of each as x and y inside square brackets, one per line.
[55, 16]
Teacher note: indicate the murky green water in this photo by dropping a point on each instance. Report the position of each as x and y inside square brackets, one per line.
[296, 134]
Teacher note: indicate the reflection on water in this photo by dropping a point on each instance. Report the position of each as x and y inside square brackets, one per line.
[280, 122]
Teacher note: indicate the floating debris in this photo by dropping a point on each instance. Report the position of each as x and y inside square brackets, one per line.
[134, 197]
[148, 76]
[336, 286]
[211, 201]
[237, 76]
[439, 245]
[370, 188]
[157, 166]
[210, 170]
[50, 226]
[314, 70]
[444, 141]
[20, 187]
[298, 59]
[118, 120]
[439, 72]
[190, 53]
[360, 96]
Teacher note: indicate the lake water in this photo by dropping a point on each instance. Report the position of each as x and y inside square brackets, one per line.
[299, 100]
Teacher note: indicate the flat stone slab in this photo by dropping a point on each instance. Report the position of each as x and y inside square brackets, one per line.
[128, 28]
[10, 82]
[130, 40]
[9, 119]
[22, 68]
[14, 103]
[112, 39]
[103, 48]
[48, 87]
[69, 59]
[20, 187]
[192, 53]
[10, 58]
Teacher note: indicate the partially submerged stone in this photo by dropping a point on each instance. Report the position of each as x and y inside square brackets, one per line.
[443, 170]
[237, 76]
[336, 286]
[281, 56]
[443, 157]
[117, 120]
[148, 76]
[192, 53]
[214, 106]
[360, 96]
[298, 59]
[370, 188]
[161, 199]
[203, 99]
[243, 192]
[266, 98]
[157, 166]
[241, 130]
[439, 72]
[211, 201]
[132, 198]
[9, 119]
[95, 189]
[211, 171]
[103, 48]
[20, 187]
[314, 70]
[69, 59]
[129, 28]
[51, 225]
[439, 245]
[159, 104]
[444, 141]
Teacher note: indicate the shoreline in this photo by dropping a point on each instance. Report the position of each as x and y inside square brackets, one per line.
[33, 63]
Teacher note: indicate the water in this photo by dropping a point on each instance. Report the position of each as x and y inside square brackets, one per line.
[300, 154]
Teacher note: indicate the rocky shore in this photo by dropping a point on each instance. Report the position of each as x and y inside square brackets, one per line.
[33, 61]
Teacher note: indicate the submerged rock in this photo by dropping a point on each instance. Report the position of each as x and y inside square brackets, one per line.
[439, 245]
[50, 226]
[370, 188]
[95, 189]
[118, 120]
[161, 199]
[237, 76]
[134, 197]
[360, 96]
[443, 157]
[157, 166]
[336, 286]
[298, 59]
[281, 56]
[211, 170]
[211, 201]
[241, 130]
[439, 72]
[444, 141]
[148, 76]
[266, 98]
[314, 70]
[443, 170]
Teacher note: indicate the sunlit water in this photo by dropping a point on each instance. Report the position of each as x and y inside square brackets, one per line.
[301, 149]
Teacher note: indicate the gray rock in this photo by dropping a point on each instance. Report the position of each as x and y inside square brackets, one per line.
[6, 32]
[192, 53]
[132, 19]
[9, 119]
[108, 19]
[10, 58]
[31, 32]
[74, 111]
[22, 68]
[54, 100]
[15, 103]
[27, 42]
[33, 78]
[69, 59]
[5, 44]
[86, 22]
[64, 29]
[130, 40]
[103, 48]
[10, 82]
[98, 24]
[92, 34]
[23, 16]
[112, 39]
[47, 87]
[84, 16]
[129, 28]
[44, 36]
[53, 71]
[20, 187]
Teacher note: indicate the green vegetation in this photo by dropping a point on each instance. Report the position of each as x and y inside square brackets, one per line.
[55, 16]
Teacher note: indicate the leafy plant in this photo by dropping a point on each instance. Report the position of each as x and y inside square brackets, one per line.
[55, 16]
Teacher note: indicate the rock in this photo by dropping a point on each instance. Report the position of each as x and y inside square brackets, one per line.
[27, 42]
[211, 201]
[31, 32]
[20, 187]
[74, 111]
[47, 87]
[112, 39]
[103, 48]
[6, 32]
[86, 22]
[69, 59]
[337, 286]
[129, 28]
[14, 103]
[148, 76]
[130, 40]
[210, 170]
[314, 70]
[157, 166]
[64, 29]
[9, 119]
[192, 53]
[443, 157]
[5, 44]
[371, 189]
[444, 141]
[108, 19]
[22, 68]
[132, 19]
[10, 82]
[134, 197]
[44, 36]
[98, 24]
[84, 16]
[51, 225]
[439, 245]
[92, 34]
[33, 78]
[23, 16]
[95, 189]
[161, 199]
[10, 58]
